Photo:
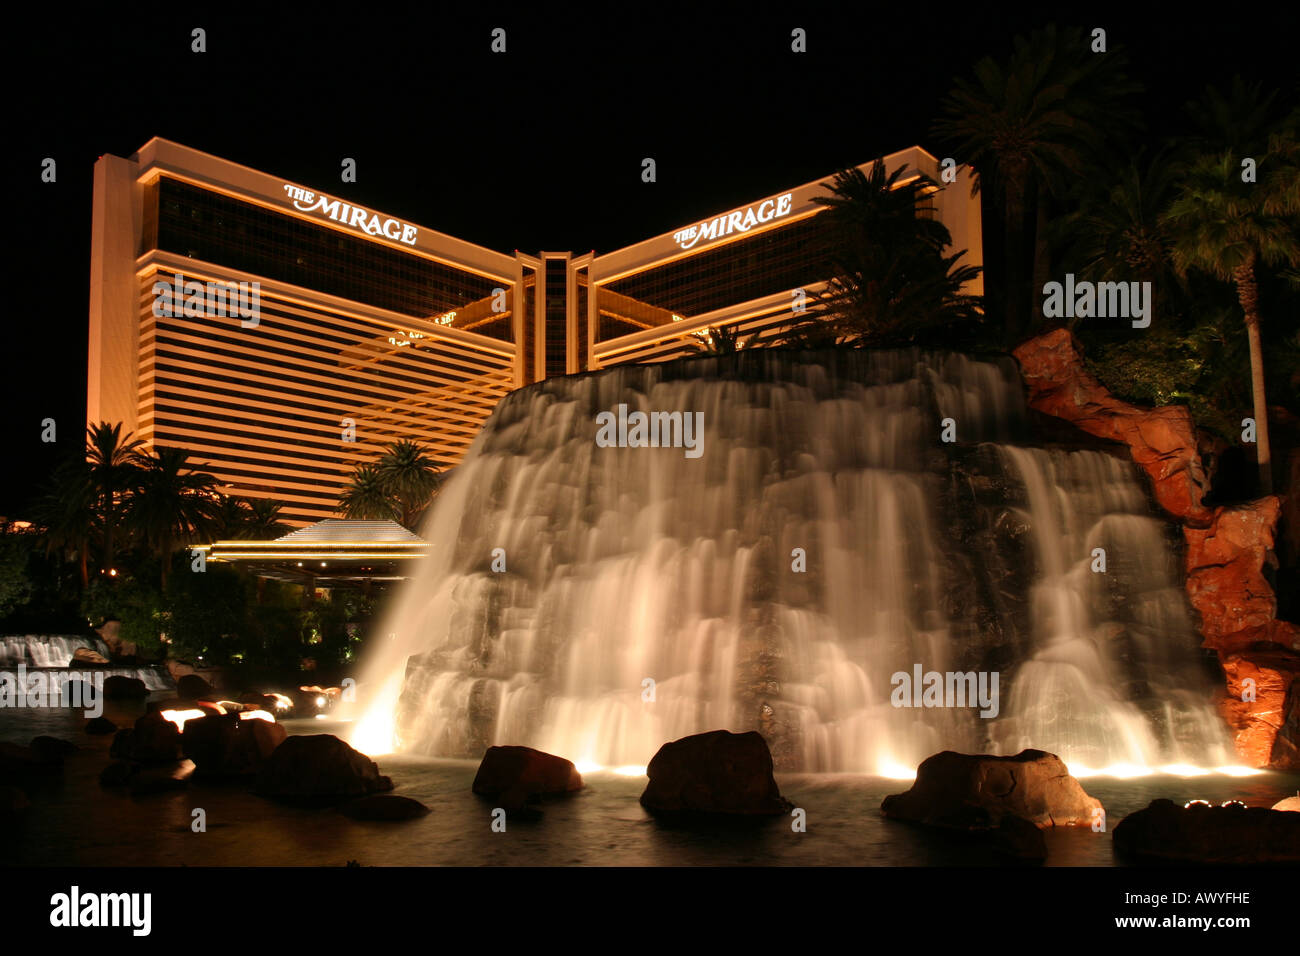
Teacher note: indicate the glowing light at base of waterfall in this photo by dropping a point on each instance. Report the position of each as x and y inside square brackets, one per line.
[895, 771]
[585, 767]
[376, 732]
[1127, 771]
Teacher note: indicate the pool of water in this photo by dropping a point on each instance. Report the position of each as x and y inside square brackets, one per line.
[74, 821]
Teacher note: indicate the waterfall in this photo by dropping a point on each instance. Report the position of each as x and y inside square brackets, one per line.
[54, 652]
[596, 602]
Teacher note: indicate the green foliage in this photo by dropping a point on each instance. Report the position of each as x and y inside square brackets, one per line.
[133, 600]
[206, 612]
[1204, 367]
[16, 586]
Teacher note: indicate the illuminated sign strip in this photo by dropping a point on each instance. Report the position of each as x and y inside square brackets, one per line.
[741, 220]
[354, 216]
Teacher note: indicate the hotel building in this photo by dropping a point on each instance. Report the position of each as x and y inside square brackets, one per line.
[366, 328]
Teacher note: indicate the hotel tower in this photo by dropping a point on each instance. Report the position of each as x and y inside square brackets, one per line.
[284, 335]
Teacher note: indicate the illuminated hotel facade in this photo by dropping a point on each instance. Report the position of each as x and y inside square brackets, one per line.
[367, 328]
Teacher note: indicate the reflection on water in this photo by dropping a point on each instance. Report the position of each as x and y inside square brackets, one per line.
[73, 821]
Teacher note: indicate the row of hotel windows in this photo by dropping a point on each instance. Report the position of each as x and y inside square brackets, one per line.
[200, 224]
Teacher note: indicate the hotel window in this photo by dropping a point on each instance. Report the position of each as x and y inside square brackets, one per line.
[778, 260]
[286, 249]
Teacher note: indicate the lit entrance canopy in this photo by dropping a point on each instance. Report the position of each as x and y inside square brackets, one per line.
[329, 553]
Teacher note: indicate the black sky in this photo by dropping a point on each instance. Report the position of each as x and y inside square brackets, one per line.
[536, 149]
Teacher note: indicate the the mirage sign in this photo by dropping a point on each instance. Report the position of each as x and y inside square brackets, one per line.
[354, 216]
[742, 220]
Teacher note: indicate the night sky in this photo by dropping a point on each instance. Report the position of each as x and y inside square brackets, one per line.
[537, 149]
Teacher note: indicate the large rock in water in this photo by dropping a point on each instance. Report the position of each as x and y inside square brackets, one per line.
[118, 687]
[225, 746]
[975, 791]
[1166, 832]
[384, 806]
[319, 766]
[153, 739]
[515, 774]
[714, 773]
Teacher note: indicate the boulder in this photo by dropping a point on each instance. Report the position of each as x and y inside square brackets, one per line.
[714, 773]
[1019, 839]
[225, 746]
[160, 778]
[514, 775]
[100, 726]
[1225, 568]
[86, 657]
[18, 763]
[1162, 441]
[1167, 833]
[194, 687]
[976, 791]
[1266, 730]
[174, 703]
[152, 740]
[319, 766]
[384, 806]
[117, 687]
[1289, 804]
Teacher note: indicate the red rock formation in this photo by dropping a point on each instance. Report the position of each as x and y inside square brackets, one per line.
[1266, 723]
[1227, 548]
[1225, 568]
[1161, 440]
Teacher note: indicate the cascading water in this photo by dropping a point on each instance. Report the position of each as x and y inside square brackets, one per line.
[54, 652]
[597, 602]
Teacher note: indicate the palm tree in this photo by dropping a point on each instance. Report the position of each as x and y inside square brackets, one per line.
[1228, 228]
[890, 280]
[114, 468]
[721, 340]
[1029, 127]
[366, 496]
[410, 477]
[173, 505]
[67, 513]
[263, 521]
[1118, 235]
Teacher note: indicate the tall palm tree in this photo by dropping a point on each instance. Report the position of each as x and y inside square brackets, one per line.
[1118, 234]
[1028, 127]
[173, 505]
[67, 513]
[114, 469]
[410, 477]
[264, 519]
[1228, 228]
[366, 496]
[890, 279]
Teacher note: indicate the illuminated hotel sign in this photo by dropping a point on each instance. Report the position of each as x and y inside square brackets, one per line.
[354, 216]
[738, 221]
